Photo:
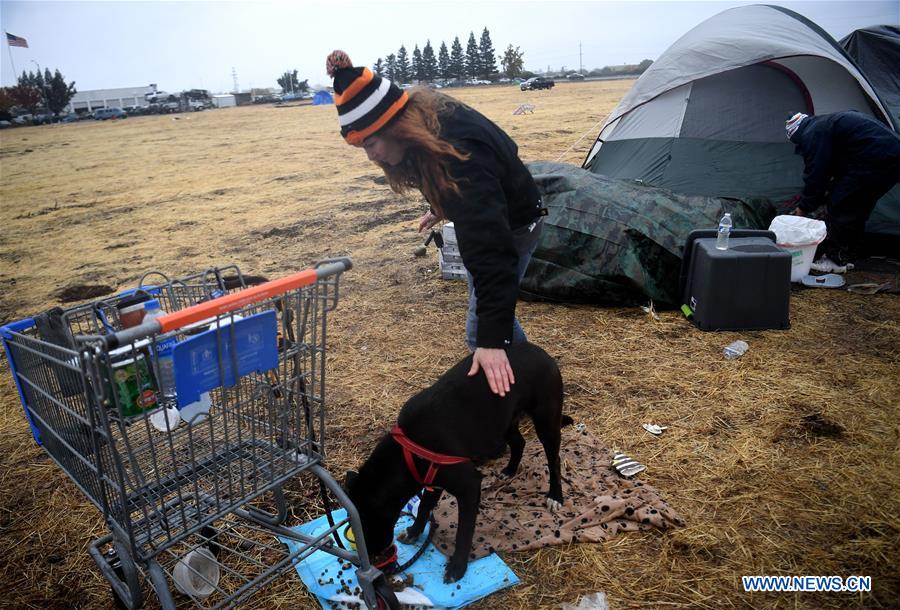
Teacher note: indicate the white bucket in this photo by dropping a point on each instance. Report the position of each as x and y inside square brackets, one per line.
[800, 236]
[801, 259]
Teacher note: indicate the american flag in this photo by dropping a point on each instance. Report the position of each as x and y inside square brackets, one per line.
[16, 41]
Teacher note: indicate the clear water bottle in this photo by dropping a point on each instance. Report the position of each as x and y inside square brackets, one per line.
[724, 231]
[165, 346]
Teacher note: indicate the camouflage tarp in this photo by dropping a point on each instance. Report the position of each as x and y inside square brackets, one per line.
[618, 242]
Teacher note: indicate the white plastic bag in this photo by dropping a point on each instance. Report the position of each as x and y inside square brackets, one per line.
[797, 231]
[799, 236]
[594, 601]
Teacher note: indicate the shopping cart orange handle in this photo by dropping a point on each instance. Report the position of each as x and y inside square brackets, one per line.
[230, 302]
[235, 300]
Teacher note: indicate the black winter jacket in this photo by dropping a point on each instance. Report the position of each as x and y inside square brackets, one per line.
[844, 153]
[497, 196]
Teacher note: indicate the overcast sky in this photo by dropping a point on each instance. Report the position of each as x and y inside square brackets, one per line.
[183, 45]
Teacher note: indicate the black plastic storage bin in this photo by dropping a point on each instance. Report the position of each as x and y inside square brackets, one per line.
[746, 287]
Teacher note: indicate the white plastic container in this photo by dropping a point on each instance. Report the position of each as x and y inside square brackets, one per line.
[451, 271]
[800, 236]
[448, 232]
[196, 412]
[165, 419]
[197, 574]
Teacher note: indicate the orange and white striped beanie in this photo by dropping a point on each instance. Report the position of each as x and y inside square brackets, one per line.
[366, 102]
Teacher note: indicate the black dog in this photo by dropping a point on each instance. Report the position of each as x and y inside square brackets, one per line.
[460, 416]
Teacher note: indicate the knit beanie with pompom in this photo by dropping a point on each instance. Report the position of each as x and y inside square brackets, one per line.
[793, 123]
[366, 102]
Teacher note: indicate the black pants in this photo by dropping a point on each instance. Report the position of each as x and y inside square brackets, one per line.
[846, 219]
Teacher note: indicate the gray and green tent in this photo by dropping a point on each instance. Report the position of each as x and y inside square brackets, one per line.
[876, 50]
[700, 133]
[707, 117]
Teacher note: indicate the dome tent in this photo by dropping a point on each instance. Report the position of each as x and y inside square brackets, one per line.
[876, 50]
[707, 117]
[322, 97]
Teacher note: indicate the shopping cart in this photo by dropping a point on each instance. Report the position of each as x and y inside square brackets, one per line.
[190, 481]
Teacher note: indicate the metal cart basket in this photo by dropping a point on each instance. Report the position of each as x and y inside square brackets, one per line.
[189, 477]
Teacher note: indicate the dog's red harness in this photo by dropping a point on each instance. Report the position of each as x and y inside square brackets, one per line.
[435, 460]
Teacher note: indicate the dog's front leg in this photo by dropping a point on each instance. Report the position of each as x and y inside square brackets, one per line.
[426, 506]
[467, 489]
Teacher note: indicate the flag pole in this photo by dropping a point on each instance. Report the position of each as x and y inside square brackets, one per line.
[9, 50]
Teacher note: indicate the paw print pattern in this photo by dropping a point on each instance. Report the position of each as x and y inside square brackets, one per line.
[598, 503]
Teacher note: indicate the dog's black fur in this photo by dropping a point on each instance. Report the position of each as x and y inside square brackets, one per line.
[460, 415]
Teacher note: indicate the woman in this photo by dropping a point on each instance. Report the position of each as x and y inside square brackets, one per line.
[469, 171]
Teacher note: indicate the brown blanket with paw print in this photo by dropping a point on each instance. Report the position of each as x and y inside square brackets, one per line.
[599, 503]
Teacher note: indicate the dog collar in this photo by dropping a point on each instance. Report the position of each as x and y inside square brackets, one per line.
[434, 459]
[391, 559]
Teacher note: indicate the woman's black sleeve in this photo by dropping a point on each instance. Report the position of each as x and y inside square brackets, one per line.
[481, 217]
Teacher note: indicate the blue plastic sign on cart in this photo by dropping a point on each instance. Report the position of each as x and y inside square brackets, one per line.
[319, 572]
[197, 358]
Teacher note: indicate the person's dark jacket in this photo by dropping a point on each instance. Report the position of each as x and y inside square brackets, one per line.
[844, 153]
[497, 196]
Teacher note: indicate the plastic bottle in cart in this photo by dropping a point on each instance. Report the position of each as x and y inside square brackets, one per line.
[165, 345]
[724, 231]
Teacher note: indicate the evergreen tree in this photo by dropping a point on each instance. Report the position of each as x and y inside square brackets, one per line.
[487, 60]
[378, 67]
[289, 82]
[429, 63]
[457, 60]
[390, 67]
[58, 93]
[512, 62]
[444, 62]
[473, 58]
[403, 70]
[416, 67]
[33, 80]
[53, 92]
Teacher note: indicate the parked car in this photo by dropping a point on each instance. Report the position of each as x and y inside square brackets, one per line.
[103, 114]
[537, 82]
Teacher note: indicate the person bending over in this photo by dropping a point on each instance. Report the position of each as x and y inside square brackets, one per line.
[469, 171]
[851, 160]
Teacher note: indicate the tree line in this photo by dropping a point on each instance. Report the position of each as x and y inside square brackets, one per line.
[35, 90]
[478, 61]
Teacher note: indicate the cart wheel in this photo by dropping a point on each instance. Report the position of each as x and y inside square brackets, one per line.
[124, 568]
[384, 595]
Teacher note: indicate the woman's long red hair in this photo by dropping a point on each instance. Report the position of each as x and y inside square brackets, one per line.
[424, 165]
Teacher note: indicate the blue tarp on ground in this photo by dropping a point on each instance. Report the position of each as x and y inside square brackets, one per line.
[484, 576]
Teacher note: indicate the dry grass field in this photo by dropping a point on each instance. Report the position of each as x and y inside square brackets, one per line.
[784, 462]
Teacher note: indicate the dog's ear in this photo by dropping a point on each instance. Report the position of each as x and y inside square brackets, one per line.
[349, 478]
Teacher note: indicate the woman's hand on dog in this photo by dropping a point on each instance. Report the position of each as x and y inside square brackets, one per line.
[496, 368]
